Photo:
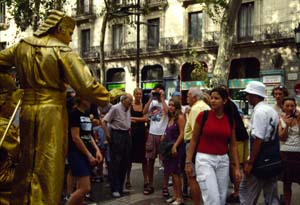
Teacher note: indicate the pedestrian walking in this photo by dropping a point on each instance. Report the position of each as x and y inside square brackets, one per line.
[263, 129]
[195, 100]
[212, 160]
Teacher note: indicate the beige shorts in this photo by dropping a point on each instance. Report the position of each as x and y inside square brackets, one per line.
[243, 150]
[152, 145]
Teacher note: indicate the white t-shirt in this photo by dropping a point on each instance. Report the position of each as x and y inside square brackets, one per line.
[158, 118]
[264, 122]
[292, 144]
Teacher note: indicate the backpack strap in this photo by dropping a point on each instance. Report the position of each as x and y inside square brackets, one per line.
[204, 118]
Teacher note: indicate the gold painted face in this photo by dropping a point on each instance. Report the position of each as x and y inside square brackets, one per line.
[65, 30]
[67, 37]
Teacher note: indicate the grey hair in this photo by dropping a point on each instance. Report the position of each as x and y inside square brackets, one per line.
[196, 92]
[125, 96]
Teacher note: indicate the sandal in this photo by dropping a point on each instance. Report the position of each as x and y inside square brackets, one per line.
[128, 185]
[165, 192]
[148, 189]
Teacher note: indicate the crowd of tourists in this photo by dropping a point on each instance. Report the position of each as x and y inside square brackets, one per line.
[202, 146]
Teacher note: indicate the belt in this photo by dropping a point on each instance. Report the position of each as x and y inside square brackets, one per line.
[121, 131]
[187, 141]
[43, 96]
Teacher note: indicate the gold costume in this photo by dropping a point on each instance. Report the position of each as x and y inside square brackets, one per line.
[9, 158]
[45, 67]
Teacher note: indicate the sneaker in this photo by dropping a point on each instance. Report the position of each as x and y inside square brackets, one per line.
[116, 194]
[66, 198]
[178, 203]
[170, 200]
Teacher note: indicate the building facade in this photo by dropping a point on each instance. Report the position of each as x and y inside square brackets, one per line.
[156, 41]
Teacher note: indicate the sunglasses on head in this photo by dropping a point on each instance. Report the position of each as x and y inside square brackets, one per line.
[280, 87]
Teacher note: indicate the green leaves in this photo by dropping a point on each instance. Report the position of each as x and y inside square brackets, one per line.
[28, 13]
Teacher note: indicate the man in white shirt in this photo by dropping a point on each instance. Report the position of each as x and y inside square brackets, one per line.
[157, 110]
[263, 126]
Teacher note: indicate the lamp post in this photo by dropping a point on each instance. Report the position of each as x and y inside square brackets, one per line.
[138, 46]
[297, 40]
[133, 9]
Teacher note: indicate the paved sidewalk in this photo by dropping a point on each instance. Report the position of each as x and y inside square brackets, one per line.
[101, 193]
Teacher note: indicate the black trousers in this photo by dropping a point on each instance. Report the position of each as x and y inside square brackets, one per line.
[120, 149]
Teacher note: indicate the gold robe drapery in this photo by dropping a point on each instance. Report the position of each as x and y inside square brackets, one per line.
[45, 67]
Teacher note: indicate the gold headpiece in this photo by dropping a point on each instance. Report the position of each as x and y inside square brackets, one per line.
[115, 94]
[52, 21]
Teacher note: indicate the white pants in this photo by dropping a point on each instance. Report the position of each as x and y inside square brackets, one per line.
[212, 173]
[251, 187]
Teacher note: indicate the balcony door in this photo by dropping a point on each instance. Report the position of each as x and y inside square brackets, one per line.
[153, 33]
[195, 27]
[84, 6]
[245, 22]
[117, 37]
[85, 41]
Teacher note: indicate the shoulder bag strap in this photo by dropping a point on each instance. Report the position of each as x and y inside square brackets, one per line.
[204, 118]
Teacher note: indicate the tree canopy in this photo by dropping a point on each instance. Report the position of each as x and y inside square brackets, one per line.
[28, 13]
[225, 13]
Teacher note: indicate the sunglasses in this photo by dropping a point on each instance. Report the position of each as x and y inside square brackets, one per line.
[280, 87]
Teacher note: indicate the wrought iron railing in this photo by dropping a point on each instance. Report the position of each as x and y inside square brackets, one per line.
[264, 32]
[154, 3]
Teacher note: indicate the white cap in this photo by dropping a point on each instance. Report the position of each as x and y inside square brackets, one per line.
[256, 88]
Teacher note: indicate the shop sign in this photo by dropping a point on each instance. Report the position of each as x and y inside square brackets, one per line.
[120, 86]
[292, 76]
[149, 85]
[271, 79]
[185, 85]
[240, 83]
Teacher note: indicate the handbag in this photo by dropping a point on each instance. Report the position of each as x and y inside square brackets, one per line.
[268, 163]
[165, 148]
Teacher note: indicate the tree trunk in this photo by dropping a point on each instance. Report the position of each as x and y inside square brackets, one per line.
[222, 67]
[102, 38]
[36, 16]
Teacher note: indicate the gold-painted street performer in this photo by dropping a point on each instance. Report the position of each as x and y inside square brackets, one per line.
[10, 145]
[45, 65]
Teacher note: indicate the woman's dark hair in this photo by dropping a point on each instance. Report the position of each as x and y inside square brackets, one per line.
[290, 99]
[227, 108]
[160, 86]
[282, 88]
[177, 106]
